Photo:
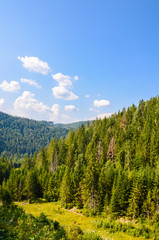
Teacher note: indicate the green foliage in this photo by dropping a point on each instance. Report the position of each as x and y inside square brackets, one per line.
[110, 166]
[5, 168]
[130, 228]
[90, 236]
[34, 188]
[15, 224]
[120, 194]
[74, 233]
[20, 135]
[7, 199]
[72, 126]
[65, 189]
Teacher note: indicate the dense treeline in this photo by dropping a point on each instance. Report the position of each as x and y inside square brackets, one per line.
[5, 168]
[72, 126]
[110, 166]
[19, 136]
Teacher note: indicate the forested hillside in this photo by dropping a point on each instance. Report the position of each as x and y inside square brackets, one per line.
[20, 135]
[111, 166]
[73, 125]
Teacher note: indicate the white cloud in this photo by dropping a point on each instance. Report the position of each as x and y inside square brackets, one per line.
[101, 103]
[102, 115]
[94, 110]
[87, 96]
[71, 108]
[35, 64]
[56, 116]
[56, 109]
[30, 82]
[76, 77]
[64, 83]
[1, 102]
[28, 106]
[63, 80]
[13, 86]
[63, 93]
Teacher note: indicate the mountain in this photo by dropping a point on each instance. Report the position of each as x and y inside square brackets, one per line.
[21, 135]
[72, 126]
[110, 166]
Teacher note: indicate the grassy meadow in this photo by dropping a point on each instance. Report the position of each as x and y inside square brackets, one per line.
[69, 218]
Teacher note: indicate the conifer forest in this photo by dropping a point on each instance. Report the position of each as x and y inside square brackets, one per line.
[107, 168]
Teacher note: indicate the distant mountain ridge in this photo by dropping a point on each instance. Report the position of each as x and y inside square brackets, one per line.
[73, 125]
[21, 135]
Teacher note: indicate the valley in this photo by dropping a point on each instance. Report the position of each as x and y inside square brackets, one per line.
[102, 178]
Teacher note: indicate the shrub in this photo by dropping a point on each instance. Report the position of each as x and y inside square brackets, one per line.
[74, 232]
[6, 198]
[56, 225]
[90, 236]
[19, 225]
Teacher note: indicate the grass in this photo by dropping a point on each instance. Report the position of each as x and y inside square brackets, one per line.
[67, 218]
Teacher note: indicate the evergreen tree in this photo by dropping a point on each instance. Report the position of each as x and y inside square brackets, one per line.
[120, 194]
[90, 181]
[65, 189]
[110, 165]
[148, 206]
[34, 188]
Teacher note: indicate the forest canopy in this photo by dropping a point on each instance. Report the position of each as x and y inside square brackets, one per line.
[110, 166]
[19, 136]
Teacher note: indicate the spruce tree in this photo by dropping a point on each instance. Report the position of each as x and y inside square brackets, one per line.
[33, 185]
[90, 181]
[65, 189]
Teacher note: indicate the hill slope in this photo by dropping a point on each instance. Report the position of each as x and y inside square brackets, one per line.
[73, 125]
[110, 167]
[113, 164]
[21, 135]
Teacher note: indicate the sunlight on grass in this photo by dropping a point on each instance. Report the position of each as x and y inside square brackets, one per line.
[68, 218]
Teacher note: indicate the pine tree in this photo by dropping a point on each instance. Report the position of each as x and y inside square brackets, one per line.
[65, 189]
[148, 206]
[62, 149]
[34, 188]
[77, 178]
[90, 181]
[135, 200]
[105, 183]
[52, 155]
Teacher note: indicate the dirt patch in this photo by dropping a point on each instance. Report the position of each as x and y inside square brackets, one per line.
[74, 210]
[24, 203]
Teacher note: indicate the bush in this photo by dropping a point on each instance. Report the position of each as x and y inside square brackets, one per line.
[43, 219]
[19, 225]
[56, 225]
[61, 234]
[74, 232]
[6, 198]
[90, 236]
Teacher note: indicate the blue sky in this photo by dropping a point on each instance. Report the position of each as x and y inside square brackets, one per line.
[66, 60]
